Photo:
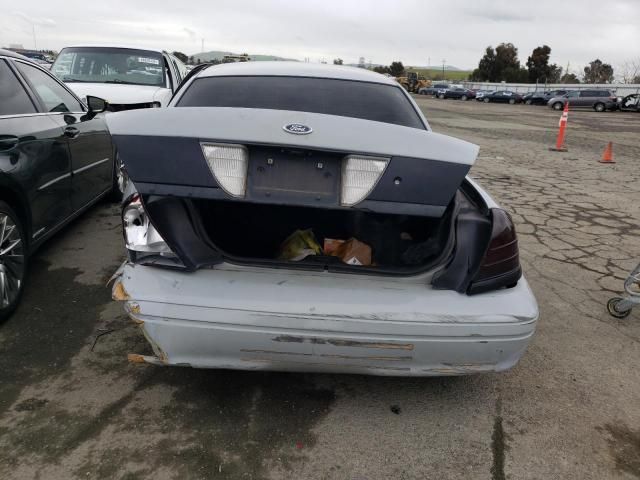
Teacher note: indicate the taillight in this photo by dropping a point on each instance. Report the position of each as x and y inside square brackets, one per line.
[500, 266]
[142, 240]
[228, 164]
[360, 174]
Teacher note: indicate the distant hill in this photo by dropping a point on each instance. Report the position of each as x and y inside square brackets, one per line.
[219, 55]
[436, 74]
[449, 68]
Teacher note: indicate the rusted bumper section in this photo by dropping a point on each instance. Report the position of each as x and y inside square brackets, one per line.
[260, 319]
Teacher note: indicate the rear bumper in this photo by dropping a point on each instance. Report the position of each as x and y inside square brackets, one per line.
[266, 319]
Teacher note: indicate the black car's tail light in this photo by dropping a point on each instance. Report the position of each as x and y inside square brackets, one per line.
[500, 266]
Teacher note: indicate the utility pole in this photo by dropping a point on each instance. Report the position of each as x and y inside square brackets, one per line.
[444, 62]
[35, 45]
[202, 48]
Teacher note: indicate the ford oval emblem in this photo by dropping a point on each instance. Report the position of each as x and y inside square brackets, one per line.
[298, 129]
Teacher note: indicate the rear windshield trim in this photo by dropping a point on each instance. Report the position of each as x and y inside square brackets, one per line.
[419, 120]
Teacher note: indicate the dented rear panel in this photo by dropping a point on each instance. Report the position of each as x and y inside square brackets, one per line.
[282, 320]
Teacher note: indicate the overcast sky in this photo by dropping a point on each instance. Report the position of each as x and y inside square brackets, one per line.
[412, 31]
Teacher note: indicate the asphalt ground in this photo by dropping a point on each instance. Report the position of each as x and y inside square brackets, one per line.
[71, 406]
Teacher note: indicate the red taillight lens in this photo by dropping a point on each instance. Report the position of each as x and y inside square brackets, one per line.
[500, 266]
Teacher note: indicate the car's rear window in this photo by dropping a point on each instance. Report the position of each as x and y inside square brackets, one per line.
[345, 98]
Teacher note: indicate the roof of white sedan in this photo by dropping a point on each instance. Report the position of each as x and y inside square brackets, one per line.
[296, 69]
[115, 45]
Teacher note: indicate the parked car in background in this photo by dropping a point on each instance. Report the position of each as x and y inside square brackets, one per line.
[597, 99]
[481, 93]
[503, 96]
[128, 78]
[260, 236]
[42, 63]
[37, 57]
[433, 89]
[541, 98]
[630, 103]
[459, 93]
[56, 160]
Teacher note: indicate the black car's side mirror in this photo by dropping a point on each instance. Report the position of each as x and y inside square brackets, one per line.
[96, 104]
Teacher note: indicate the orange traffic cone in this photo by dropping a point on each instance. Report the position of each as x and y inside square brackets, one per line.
[560, 146]
[607, 155]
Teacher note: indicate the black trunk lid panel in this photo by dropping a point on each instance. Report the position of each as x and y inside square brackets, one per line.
[283, 175]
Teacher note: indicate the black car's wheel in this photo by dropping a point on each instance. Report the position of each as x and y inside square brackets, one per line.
[13, 260]
[528, 101]
[558, 106]
[463, 98]
[485, 100]
[441, 96]
[599, 107]
[611, 308]
[512, 101]
[120, 179]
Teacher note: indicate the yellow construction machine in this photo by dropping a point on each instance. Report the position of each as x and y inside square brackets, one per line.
[412, 82]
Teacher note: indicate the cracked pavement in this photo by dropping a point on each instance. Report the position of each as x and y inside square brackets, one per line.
[70, 409]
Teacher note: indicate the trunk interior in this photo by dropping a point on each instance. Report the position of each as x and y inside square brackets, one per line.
[254, 233]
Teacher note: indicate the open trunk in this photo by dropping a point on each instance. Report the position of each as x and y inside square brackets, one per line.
[472, 248]
[233, 184]
[255, 233]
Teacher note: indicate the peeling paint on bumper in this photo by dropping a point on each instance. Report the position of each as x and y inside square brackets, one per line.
[262, 319]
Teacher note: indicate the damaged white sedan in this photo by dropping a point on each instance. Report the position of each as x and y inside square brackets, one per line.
[298, 217]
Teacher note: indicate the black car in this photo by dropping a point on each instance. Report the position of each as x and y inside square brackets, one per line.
[503, 96]
[457, 93]
[433, 89]
[56, 160]
[541, 98]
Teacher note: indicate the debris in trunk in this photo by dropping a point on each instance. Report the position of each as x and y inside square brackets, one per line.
[299, 245]
[352, 251]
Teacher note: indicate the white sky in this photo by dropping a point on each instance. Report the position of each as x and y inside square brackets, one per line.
[412, 31]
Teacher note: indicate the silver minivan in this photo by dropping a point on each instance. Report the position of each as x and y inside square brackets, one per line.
[598, 99]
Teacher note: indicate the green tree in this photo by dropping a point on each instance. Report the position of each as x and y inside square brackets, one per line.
[500, 64]
[484, 72]
[569, 78]
[507, 65]
[598, 72]
[381, 69]
[181, 56]
[396, 69]
[337, 61]
[555, 73]
[539, 69]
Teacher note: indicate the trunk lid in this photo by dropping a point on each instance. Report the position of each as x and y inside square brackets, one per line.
[162, 152]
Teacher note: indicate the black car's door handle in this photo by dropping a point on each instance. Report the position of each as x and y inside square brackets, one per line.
[71, 132]
[7, 142]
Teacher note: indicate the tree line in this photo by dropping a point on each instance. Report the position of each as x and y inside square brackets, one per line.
[502, 64]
